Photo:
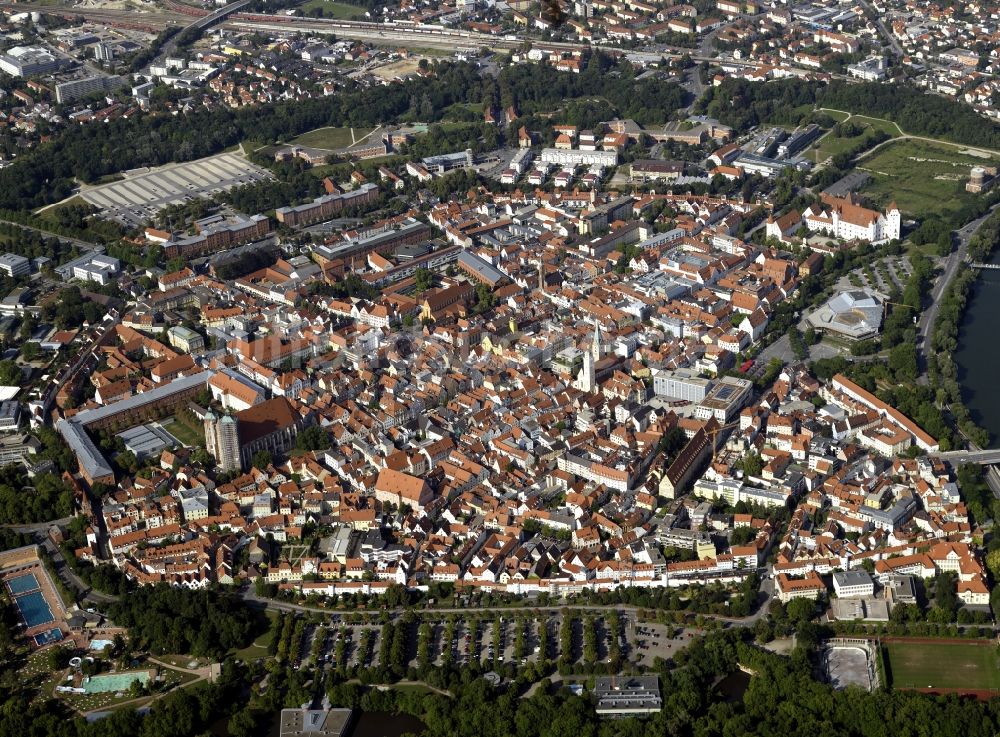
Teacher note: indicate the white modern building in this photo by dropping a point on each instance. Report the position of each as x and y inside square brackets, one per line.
[853, 583]
[99, 268]
[576, 157]
[27, 61]
[681, 384]
[14, 266]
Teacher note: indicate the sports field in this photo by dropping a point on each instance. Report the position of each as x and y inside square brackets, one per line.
[331, 138]
[923, 178]
[944, 665]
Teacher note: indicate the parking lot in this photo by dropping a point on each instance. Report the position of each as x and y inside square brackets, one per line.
[494, 640]
[141, 194]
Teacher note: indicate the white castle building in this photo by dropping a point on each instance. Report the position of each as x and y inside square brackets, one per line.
[846, 219]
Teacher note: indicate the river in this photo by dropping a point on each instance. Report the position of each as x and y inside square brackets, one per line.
[978, 353]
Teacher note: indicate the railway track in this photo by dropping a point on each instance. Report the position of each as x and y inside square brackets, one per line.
[396, 33]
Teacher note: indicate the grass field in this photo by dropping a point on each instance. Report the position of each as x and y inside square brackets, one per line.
[878, 124]
[832, 145]
[185, 433]
[333, 9]
[259, 647]
[923, 178]
[960, 665]
[836, 114]
[330, 138]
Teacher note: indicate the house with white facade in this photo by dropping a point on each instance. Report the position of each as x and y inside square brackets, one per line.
[845, 218]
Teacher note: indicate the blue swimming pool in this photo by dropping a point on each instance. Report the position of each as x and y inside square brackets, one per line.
[52, 635]
[23, 584]
[34, 609]
[114, 681]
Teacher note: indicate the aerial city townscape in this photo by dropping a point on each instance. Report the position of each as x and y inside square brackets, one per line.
[499, 368]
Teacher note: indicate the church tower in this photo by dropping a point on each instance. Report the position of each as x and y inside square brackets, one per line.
[222, 441]
[587, 380]
[596, 349]
[211, 423]
[229, 445]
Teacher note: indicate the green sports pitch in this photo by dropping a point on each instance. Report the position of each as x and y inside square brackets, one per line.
[944, 665]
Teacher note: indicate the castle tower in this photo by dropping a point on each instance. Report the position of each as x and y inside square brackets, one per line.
[893, 219]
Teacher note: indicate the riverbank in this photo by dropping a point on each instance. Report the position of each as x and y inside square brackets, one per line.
[965, 345]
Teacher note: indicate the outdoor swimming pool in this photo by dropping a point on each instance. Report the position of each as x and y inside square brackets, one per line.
[23, 584]
[99, 645]
[34, 609]
[114, 681]
[52, 635]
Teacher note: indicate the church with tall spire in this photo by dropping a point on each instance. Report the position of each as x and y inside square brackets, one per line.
[596, 348]
[587, 379]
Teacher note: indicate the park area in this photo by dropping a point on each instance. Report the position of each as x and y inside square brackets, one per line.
[923, 178]
[331, 138]
[944, 665]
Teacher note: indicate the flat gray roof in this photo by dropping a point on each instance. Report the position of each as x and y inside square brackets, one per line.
[91, 460]
[481, 266]
[90, 416]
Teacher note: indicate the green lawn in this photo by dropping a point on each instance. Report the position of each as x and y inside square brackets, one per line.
[330, 138]
[50, 211]
[879, 124]
[188, 435]
[836, 114]
[923, 178]
[945, 665]
[259, 647]
[832, 145]
[333, 9]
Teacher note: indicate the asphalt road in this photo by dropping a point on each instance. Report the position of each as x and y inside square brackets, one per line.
[896, 48]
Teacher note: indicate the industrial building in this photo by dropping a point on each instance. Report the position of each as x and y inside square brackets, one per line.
[28, 61]
[623, 696]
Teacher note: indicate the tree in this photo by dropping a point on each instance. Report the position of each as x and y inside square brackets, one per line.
[423, 280]
[312, 438]
[58, 658]
[10, 373]
[752, 464]
[30, 351]
[993, 563]
[801, 610]
[261, 459]
[242, 724]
